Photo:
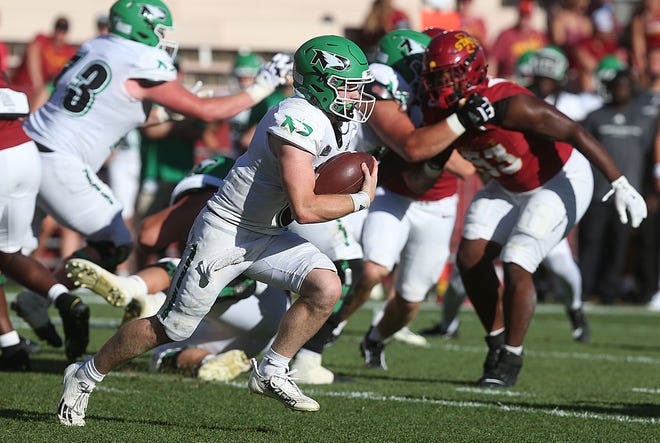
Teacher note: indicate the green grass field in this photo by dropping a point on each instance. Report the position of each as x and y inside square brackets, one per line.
[604, 391]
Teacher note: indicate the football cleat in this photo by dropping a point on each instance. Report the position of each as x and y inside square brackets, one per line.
[75, 321]
[224, 367]
[373, 353]
[142, 306]
[495, 344]
[405, 335]
[33, 308]
[505, 372]
[29, 346]
[440, 330]
[15, 358]
[581, 330]
[116, 290]
[654, 303]
[282, 388]
[75, 395]
[310, 371]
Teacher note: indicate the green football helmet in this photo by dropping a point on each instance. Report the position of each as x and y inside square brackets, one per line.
[247, 64]
[143, 21]
[403, 50]
[331, 72]
[550, 62]
[608, 68]
[524, 68]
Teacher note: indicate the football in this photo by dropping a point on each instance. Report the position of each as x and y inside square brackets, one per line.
[342, 174]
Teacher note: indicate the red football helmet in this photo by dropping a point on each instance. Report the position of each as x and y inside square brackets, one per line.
[432, 31]
[454, 64]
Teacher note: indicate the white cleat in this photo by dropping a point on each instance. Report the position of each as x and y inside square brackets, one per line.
[75, 395]
[405, 335]
[143, 306]
[224, 367]
[654, 304]
[116, 290]
[310, 371]
[281, 387]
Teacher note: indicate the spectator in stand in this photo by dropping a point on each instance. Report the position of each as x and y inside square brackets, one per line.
[43, 59]
[645, 33]
[513, 42]
[568, 24]
[627, 134]
[604, 42]
[382, 18]
[471, 23]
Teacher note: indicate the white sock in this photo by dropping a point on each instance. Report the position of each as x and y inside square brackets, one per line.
[89, 374]
[273, 363]
[206, 359]
[375, 335]
[496, 332]
[55, 291]
[11, 338]
[514, 349]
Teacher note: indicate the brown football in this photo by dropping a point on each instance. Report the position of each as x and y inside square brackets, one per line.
[342, 174]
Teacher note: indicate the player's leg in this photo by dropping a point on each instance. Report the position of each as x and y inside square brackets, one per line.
[188, 302]
[561, 263]
[14, 356]
[452, 301]
[420, 265]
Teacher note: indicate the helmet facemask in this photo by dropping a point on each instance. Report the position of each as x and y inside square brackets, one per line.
[169, 46]
[351, 102]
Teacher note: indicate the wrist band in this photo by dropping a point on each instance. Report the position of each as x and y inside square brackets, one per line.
[361, 201]
[455, 124]
[258, 91]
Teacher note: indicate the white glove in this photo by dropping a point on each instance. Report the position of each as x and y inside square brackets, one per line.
[627, 198]
[271, 75]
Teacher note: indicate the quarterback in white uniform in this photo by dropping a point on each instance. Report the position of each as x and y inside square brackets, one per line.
[101, 94]
[241, 231]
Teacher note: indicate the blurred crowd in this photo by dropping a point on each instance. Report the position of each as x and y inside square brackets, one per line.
[595, 47]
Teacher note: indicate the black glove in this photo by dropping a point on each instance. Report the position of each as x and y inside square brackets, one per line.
[476, 111]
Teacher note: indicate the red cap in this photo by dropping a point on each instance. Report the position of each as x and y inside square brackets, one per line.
[525, 7]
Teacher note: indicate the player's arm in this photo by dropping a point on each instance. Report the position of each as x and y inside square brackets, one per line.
[428, 141]
[298, 179]
[526, 113]
[530, 114]
[656, 152]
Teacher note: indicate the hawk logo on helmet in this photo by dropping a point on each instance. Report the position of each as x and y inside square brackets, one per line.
[410, 46]
[329, 60]
[465, 42]
[152, 12]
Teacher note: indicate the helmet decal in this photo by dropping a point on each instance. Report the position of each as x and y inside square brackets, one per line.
[466, 43]
[329, 60]
[152, 12]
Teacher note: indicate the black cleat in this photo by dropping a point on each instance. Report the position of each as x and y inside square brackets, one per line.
[14, 358]
[581, 329]
[33, 308]
[505, 372]
[439, 330]
[495, 344]
[30, 346]
[75, 321]
[373, 353]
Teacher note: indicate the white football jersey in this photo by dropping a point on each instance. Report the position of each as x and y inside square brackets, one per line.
[90, 109]
[253, 196]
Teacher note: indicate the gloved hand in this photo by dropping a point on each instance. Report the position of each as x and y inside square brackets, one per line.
[475, 111]
[271, 75]
[627, 198]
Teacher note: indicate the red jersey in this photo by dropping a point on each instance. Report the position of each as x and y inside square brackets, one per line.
[11, 131]
[518, 161]
[390, 177]
[52, 58]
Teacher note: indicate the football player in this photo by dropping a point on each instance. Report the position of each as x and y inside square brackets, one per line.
[102, 93]
[541, 185]
[403, 227]
[241, 230]
[19, 182]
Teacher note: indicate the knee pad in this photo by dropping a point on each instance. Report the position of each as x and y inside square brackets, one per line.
[111, 254]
